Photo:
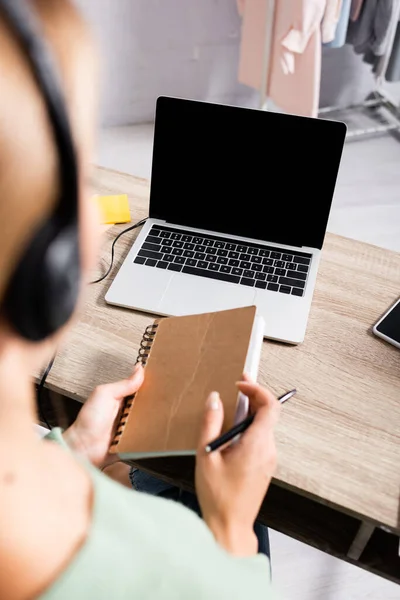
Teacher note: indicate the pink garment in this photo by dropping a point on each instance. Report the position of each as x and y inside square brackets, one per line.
[356, 6]
[241, 4]
[295, 65]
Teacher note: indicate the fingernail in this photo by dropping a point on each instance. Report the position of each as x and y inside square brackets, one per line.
[213, 401]
[137, 367]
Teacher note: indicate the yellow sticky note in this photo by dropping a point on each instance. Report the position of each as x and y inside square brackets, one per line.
[114, 209]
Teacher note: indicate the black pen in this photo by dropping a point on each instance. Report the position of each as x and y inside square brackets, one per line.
[240, 427]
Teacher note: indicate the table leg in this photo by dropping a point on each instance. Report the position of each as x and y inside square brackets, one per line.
[361, 539]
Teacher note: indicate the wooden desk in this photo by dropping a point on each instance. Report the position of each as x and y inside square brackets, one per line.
[338, 440]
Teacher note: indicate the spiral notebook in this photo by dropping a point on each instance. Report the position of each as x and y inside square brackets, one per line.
[185, 359]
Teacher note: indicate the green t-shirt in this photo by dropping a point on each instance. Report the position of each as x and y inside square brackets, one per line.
[140, 547]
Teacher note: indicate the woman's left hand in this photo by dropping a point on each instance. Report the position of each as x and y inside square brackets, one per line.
[92, 432]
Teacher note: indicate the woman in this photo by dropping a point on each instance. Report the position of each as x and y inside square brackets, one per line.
[67, 531]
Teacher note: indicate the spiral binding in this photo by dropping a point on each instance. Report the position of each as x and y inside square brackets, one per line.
[143, 355]
[146, 343]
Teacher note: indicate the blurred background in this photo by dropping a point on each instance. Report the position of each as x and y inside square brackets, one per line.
[190, 48]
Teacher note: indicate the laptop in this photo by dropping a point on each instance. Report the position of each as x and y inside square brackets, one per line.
[239, 204]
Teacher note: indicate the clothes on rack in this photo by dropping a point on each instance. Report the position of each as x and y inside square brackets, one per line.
[380, 64]
[356, 6]
[295, 60]
[393, 67]
[294, 69]
[331, 20]
[369, 34]
[342, 25]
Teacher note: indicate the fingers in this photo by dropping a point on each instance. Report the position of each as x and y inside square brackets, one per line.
[266, 408]
[212, 421]
[257, 443]
[265, 420]
[258, 396]
[125, 387]
[137, 378]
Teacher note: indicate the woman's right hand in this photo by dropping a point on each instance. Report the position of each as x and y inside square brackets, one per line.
[231, 483]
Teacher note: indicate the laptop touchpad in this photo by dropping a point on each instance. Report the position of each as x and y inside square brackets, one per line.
[190, 295]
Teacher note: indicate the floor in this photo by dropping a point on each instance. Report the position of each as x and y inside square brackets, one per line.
[366, 207]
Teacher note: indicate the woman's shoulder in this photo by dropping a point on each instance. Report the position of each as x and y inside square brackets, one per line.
[45, 514]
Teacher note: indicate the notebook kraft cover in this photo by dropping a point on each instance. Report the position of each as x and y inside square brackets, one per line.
[189, 357]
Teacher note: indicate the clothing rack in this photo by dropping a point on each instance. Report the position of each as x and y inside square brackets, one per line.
[382, 98]
[266, 64]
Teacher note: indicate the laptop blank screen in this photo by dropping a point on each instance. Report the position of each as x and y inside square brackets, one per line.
[251, 173]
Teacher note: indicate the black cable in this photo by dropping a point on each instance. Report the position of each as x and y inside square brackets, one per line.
[138, 224]
[40, 389]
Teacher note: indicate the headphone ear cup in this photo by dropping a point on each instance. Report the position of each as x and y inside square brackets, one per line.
[61, 277]
[44, 289]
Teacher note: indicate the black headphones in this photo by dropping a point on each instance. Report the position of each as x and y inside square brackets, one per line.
[44, 288]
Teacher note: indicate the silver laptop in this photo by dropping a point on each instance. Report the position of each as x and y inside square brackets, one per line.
[239, 204]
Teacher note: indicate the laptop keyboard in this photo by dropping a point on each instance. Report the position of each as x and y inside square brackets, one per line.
[219, 258]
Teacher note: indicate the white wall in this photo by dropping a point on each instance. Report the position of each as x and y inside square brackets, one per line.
[184, 48]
